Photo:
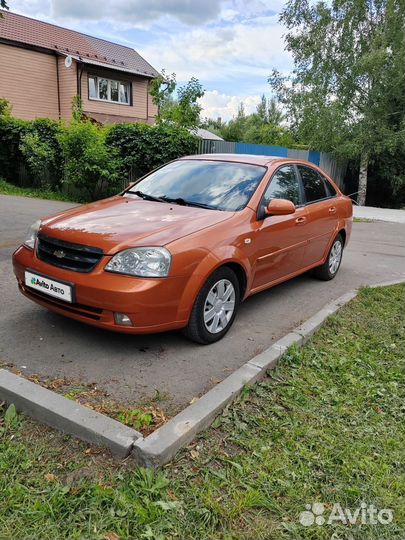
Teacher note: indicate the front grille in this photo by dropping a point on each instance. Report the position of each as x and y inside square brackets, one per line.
[66, 255]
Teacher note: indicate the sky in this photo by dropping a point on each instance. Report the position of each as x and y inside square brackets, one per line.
[231, 46]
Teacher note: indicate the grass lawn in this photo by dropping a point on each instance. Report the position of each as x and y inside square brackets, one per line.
[326, 426]
[363, 220]
[10, 189]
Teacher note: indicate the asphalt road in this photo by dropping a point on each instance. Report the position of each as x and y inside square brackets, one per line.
[133, 368]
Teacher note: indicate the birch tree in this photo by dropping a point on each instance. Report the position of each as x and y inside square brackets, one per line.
[346, 94]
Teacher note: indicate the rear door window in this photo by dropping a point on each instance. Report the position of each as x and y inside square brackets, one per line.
[283, 185]
[314, 186]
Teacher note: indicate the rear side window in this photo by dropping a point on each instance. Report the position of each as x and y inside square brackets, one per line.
[313, 183]
[283, 185]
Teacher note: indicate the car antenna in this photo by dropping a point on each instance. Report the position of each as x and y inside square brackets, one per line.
[350, 195]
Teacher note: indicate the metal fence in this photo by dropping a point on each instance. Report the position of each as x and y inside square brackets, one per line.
[336, 169]
[206, 146]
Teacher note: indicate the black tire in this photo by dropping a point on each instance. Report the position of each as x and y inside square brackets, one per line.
[326, 272]
[197, 330]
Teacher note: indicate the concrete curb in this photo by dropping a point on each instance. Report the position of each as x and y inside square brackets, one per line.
[386, 283]
[66, 415]
[161, 446]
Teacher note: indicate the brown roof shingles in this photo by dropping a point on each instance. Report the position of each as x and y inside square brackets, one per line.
[21, 29]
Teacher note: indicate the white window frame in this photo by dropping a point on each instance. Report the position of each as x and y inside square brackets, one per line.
[109, 81]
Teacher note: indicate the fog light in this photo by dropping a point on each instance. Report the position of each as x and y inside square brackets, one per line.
[122, 319]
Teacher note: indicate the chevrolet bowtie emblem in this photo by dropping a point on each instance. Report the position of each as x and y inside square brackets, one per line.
[59, 253]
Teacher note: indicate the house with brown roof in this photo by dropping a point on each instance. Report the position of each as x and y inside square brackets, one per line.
[43, 66]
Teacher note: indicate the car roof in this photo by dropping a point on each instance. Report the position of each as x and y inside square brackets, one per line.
[238, 158]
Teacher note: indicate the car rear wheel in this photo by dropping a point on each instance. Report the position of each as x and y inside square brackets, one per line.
[331, 266]
[215, 307]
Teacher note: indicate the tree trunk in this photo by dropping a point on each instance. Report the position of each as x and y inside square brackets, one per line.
[361, 197]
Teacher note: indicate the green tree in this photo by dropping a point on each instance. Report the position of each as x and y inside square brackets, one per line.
[261, 110]
[269, 134]
[346, 92]
[233, 130]
[264, 126]
[268, 112]
[161, 89]
[261, 127]
[186, 109]
[183, 109]
[215, 125]
[274, 114]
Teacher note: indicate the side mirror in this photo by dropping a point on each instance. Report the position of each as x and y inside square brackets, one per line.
[279, 207]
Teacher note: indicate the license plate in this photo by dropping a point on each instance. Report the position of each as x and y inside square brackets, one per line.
[49, 286]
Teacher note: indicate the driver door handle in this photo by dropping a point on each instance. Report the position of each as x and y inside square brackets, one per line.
[300, 220]
[332, 210]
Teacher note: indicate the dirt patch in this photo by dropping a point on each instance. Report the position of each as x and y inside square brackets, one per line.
[144, 417]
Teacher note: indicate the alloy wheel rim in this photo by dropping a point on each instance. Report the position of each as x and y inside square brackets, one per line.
[219, 306]
[335, 257]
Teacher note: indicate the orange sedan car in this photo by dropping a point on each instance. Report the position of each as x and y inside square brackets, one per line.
[185, 244]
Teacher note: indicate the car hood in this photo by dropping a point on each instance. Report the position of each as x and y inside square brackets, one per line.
[120, 222]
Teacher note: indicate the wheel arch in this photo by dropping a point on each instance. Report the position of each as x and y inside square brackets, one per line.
[211, 263]
[240, 273]
[343, 234]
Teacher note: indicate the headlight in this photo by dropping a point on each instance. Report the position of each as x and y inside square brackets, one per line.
[32, 235]
[142, 262]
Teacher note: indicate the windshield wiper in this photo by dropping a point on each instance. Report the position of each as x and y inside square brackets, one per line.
[183, 202]
[146, 196]
[175, 200]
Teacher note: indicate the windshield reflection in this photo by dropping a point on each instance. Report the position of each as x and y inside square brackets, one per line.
[219, 185]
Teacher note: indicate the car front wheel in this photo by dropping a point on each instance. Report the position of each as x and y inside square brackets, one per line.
[215, 307]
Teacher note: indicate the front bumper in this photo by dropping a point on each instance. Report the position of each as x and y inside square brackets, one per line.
[152, 304]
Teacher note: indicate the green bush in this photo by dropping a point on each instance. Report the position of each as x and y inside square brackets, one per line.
[11, 131]
[84, 160]
[5, 108]
[142, 147]
[42, 152]
[29, 150]
[90, 167]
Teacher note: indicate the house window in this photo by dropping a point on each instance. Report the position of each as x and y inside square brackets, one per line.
[104, 89]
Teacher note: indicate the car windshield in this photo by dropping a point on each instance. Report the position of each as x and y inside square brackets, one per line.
[217, 185]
